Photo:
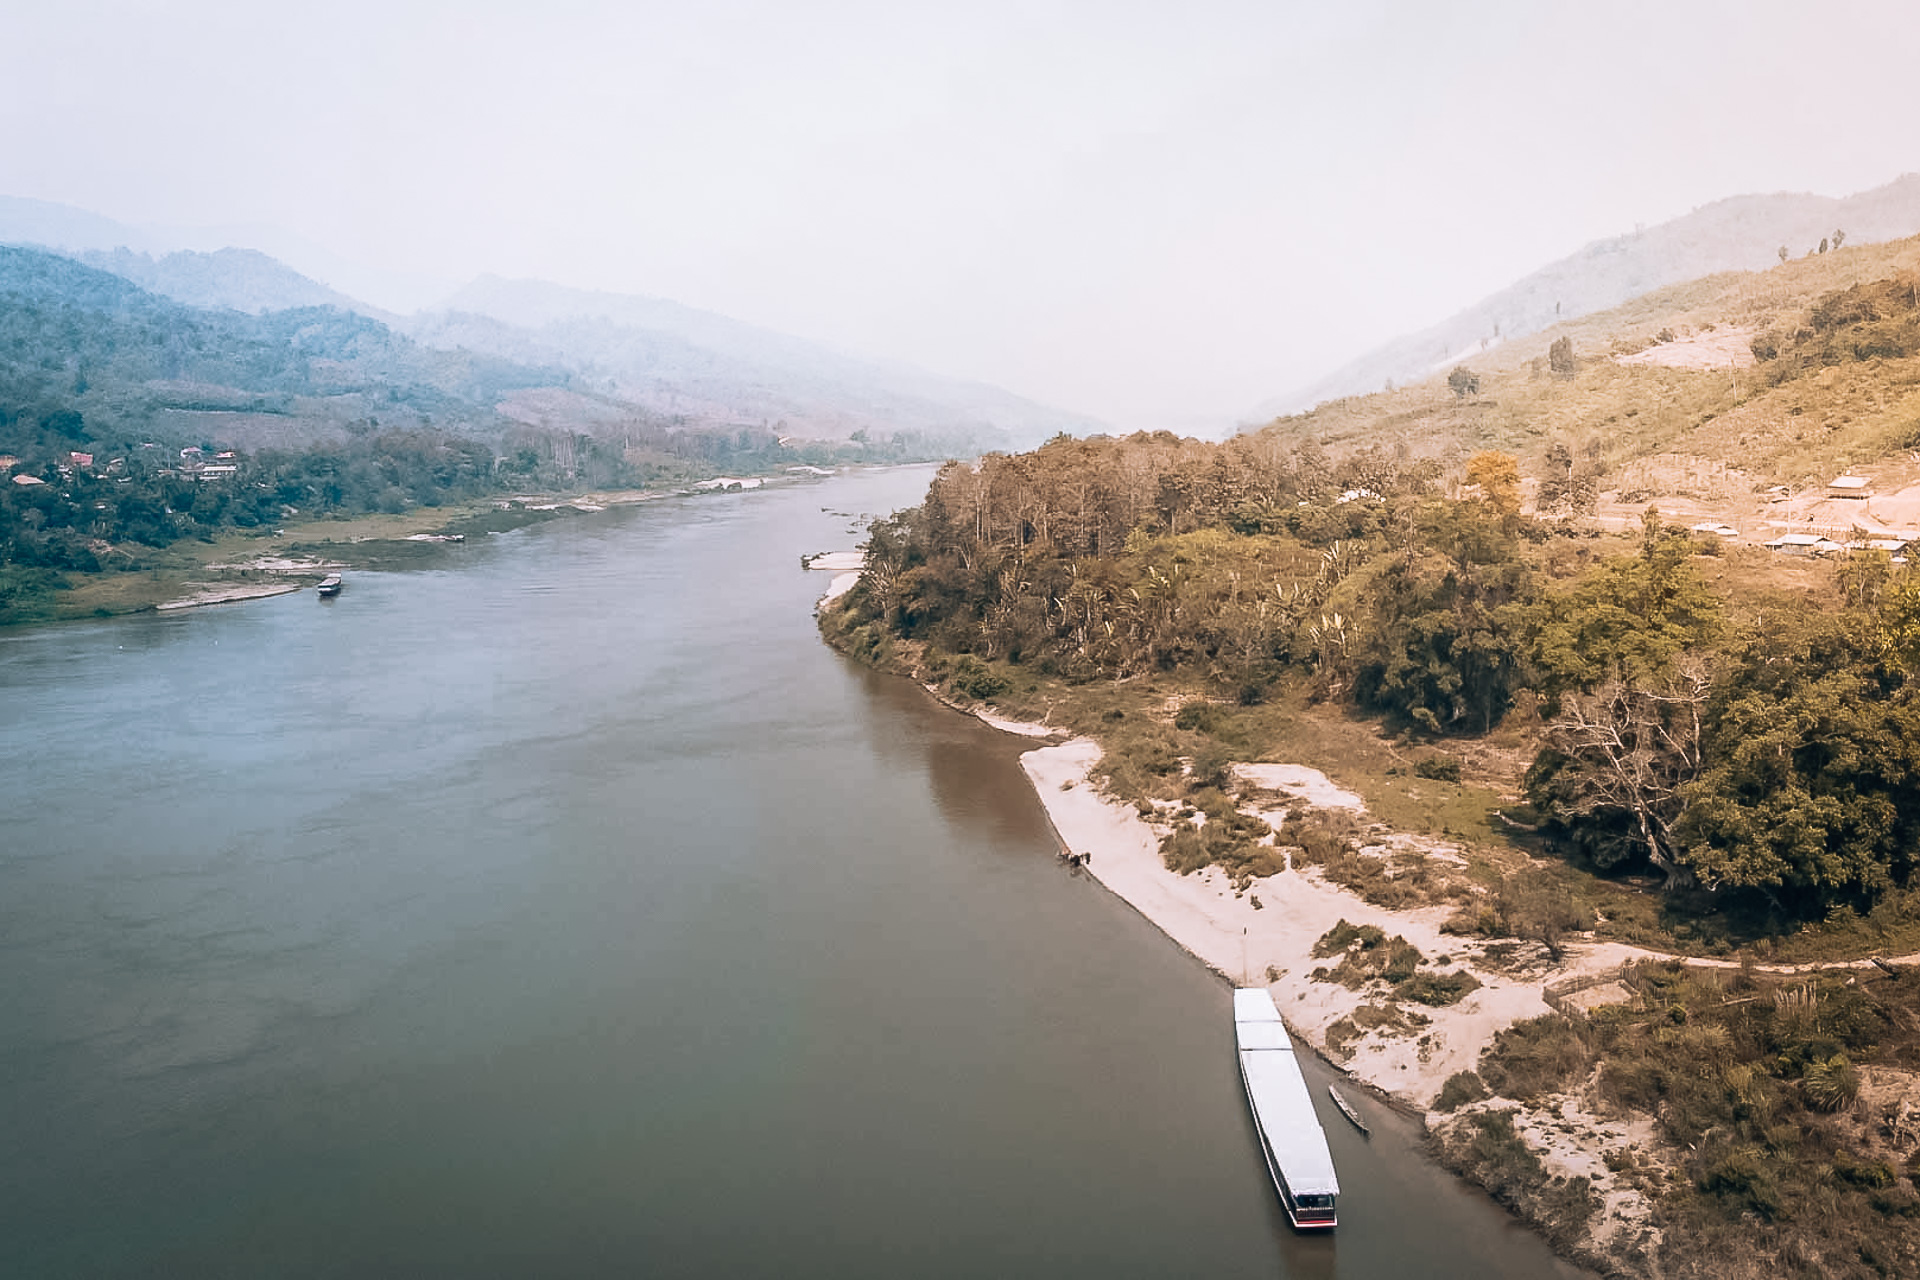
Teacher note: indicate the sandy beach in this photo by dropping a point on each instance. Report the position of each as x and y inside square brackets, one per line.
[1265, 935]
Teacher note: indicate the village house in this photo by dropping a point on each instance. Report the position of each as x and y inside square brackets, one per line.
[1803, 544]
[1850, 487]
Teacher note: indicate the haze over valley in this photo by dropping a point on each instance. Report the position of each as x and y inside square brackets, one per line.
[627, 630]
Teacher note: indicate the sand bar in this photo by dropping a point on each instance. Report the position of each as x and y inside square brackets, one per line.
[1271, 927]
[227, 594]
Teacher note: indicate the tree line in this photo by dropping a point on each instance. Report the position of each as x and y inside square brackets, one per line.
[1776, 760]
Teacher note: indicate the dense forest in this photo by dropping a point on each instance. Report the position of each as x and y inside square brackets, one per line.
[1759, 758]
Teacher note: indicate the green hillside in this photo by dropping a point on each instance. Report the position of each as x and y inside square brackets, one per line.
[136, 366]
[134, 428]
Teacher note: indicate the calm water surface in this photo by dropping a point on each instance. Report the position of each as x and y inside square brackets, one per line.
[569, 910]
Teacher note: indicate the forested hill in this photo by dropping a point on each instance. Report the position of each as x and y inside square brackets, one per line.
[87, 356]
[1403, 573]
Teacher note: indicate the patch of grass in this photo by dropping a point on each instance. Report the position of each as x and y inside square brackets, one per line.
[1537, 1056]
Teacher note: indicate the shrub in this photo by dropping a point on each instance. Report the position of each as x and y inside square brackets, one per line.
[1437, 990]
[1560, 357]
[1343, 936]
[1212, 768]
[1867, 1174]
[975, 679]
[1200, 717]
[1830, 1085]
[1474, 920]
[1399, 960]
[1743, 1180]
[1461, 1088]
[1498, 1156]
[1438, 768]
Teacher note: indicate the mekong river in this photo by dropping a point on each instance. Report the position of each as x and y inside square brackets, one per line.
[568, 909]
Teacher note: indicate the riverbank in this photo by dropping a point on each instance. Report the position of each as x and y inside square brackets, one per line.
[1265, 934]
[255, 564]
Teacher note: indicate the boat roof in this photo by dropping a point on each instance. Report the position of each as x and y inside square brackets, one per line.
[1282, 1106]
[1253, 1004]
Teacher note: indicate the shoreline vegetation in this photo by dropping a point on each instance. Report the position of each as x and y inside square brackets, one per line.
[1585, 1175]
[1591, 835]
[235, 565]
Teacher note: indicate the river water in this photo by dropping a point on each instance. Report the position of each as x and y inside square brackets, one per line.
[568, 909]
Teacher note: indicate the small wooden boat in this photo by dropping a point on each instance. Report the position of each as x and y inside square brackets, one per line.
[330, 585]
[1346, 1109]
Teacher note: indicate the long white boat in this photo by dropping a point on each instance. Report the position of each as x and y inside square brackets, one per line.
[1290, 1134]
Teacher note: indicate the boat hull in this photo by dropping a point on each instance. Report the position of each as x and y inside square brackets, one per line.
[1291, 1139]
[1303, 1219]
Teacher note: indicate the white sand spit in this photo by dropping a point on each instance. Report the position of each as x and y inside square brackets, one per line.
[227, 594]
[1273, 925]
[1025, 728]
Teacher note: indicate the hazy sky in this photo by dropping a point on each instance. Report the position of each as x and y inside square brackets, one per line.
[1155, 213]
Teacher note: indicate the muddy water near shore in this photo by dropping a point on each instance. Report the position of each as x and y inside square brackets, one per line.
[567, 908]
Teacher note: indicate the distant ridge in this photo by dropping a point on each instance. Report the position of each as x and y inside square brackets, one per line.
[613, 358]
[702, 368]
[237, 279]
[1741, 233]
[61, 227]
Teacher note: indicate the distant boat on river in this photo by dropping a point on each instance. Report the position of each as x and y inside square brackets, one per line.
[330, 586]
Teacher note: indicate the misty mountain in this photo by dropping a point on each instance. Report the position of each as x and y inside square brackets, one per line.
[47, 225]
[238, 279]
[1741, 233]
[609, 359]
[698, 368]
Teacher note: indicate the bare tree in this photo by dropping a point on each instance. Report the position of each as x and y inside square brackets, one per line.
[1632, 750]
